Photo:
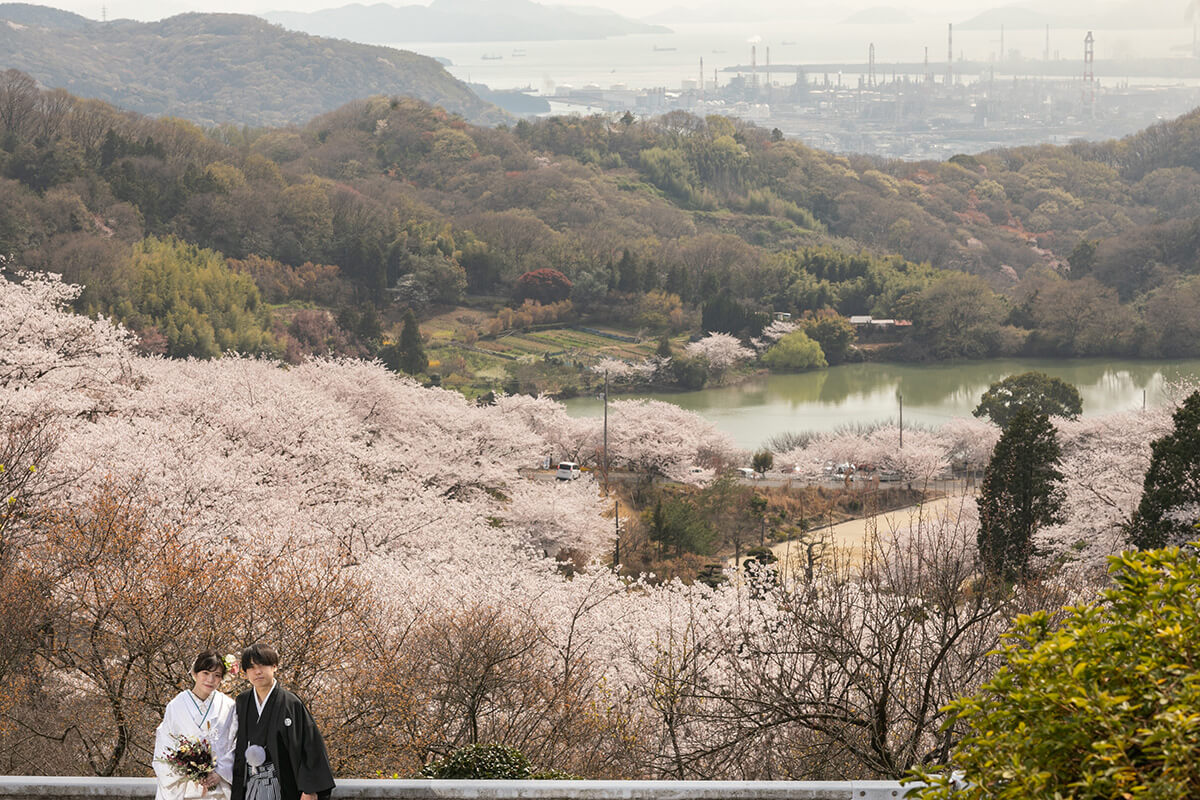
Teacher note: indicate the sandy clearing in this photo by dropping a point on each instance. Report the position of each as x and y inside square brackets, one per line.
[852, 534]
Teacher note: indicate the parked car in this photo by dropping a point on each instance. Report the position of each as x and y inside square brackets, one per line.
[746, 472]
[567, 471]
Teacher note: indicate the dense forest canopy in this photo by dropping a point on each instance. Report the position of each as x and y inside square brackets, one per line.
[1090, 249]
[219, 68]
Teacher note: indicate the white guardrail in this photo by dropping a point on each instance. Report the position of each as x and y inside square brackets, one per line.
[33, 787]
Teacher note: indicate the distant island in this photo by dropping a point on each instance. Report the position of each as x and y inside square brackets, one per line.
[1128, 15]
[461, 21]
[219, 68]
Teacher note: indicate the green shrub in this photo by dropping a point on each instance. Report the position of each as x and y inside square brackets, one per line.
[491, 762]
[794, 353]
[1104, 705]
[494, 761]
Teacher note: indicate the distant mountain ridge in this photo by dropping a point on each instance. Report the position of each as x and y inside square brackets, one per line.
[219, 68]
[461, 21]
[1126, 15]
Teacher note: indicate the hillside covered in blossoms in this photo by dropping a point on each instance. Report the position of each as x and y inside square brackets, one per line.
[429, 595]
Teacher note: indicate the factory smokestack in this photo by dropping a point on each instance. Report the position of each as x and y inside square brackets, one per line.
[949, 53]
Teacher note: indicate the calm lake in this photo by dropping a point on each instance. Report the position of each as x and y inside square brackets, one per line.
[851, 394]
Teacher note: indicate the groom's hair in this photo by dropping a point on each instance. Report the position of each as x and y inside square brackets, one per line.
[262, 654]
[209, 661]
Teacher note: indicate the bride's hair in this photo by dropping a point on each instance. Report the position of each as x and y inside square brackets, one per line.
[209, 661]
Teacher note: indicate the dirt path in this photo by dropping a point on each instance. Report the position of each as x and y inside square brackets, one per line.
[852, 534]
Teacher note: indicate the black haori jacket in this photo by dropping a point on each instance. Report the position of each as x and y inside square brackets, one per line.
[292, 741]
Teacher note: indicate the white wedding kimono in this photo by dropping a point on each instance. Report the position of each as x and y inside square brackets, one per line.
[214, 720]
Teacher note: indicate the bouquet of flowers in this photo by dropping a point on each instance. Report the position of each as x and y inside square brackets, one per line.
[190, 759]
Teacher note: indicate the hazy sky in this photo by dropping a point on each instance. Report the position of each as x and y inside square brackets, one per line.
[948, 9]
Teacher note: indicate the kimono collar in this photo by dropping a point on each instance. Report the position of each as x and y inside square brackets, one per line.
[260, 706]
[203, 707]
[268, 720]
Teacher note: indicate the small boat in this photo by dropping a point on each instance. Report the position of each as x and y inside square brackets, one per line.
[491, 57]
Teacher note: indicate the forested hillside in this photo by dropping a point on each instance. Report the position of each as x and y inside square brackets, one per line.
[387, 203]
[218, 68]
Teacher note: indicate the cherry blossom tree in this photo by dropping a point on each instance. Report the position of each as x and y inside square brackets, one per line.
[657, 438]
[619, 371]
[773, 333]
[922, 458]
[838, 448]
[721, 351]
[1104, 460]
[40, 341]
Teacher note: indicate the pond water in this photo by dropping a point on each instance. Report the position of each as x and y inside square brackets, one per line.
[854, 394]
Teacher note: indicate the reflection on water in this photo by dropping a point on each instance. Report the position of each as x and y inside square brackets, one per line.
[754, 411]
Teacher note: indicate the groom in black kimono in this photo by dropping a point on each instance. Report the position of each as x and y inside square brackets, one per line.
[279, 753]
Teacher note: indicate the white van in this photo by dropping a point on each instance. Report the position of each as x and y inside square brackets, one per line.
[567, 471]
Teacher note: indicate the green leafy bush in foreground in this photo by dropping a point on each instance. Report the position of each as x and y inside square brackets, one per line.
[1105, 705]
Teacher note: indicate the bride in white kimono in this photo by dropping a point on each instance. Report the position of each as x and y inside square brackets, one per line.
[200, 712]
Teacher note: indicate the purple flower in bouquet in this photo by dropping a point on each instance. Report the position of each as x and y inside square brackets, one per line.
[191, 759]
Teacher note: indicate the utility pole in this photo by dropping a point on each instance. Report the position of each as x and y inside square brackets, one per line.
[605, 456]
[949, 54]
[901, 398]
[1089, 76]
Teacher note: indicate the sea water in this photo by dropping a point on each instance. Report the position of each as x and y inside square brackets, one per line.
[644, 61]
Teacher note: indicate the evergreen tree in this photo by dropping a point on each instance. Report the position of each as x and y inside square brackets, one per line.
[408, 354]
[722, 314]
[628, 275]
[1170, 505]
[676, 523]
[664, 347]
[1047, 395]
[412, 353]
[1021, 492]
